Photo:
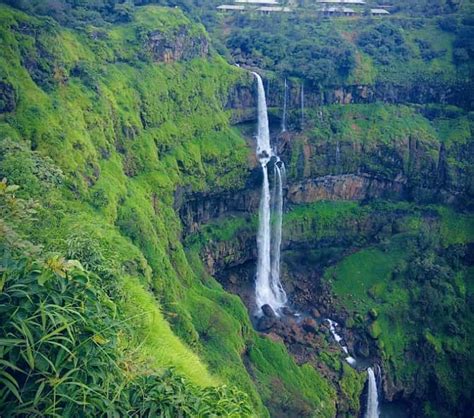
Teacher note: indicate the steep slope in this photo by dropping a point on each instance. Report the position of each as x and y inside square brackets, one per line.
[100, 126]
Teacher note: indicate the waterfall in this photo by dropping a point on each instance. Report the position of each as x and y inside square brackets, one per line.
[268, 289]
[263, 290]
[279, 177]
[373, 397]
[332, 327]
[264, 151]
[302, 104]
[285, 104]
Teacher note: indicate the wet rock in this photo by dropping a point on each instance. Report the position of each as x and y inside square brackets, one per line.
[287, 311]
[268, 321]
[265, 323]
[310, 325]
[268, 311]
[315, 313]
[361, 348]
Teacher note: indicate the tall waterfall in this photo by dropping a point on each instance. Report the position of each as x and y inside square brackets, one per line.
[285, 105]
[373, 397]
[268, 289]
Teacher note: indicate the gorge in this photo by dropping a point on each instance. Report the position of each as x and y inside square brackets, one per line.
[160, 259]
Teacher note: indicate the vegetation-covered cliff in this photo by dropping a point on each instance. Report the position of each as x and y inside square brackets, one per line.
[101, 127]
[129, 210]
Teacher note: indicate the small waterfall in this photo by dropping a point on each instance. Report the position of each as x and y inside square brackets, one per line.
[285, 105]
[332, 327]
[302, 104]
[268, 289]
[373, 397]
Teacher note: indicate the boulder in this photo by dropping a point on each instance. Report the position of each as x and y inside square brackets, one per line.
[268, 311]
[315, 313]
[310, 325]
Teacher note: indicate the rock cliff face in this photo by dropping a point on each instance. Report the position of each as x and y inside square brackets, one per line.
[242, 98]
[241, 101]
[412, 164]
[413, 168]
[319, 170]
[359, 94]
[180, 45]
[344, 187]
[196, 209]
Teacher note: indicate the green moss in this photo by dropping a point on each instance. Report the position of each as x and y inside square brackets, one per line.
[332, 360]
[300, 389]
[388, 290]
[352, 385]
[455, 228]
[153, 335]
[358, 275]
[375, 330]
[321, 219]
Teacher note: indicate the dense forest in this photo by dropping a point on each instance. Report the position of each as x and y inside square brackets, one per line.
[132, 201]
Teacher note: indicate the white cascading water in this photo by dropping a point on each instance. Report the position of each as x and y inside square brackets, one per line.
[285, 105]
[332, 327]
[268, 289]
[373, 397]
[277, 288]
[264, 150]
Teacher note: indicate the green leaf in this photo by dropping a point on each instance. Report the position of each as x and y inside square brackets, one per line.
[38, 393]
[11, 341]
[11, 387]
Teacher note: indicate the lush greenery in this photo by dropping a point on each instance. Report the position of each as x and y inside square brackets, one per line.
[68, 348]
[409, 53]
[317, 53]
[392, 142]
[104, 121]
[411, 293]
[392, 266]
[102, 152]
